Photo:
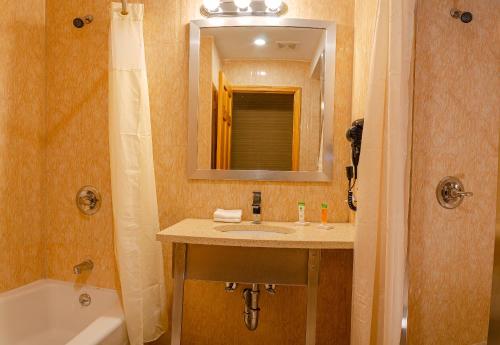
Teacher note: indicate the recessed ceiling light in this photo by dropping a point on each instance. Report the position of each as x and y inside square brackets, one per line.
[259, 42]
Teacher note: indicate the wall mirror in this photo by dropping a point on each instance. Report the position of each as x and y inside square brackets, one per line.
[261, 99]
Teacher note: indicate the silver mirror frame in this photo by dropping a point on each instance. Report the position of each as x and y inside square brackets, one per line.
[329, 91]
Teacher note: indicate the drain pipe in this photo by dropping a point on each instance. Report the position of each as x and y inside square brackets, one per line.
[251, 314]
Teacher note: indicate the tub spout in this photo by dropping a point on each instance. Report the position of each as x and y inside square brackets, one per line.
[86, 265]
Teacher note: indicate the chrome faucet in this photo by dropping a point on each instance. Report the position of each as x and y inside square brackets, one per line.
[86, 265]
[256, 207]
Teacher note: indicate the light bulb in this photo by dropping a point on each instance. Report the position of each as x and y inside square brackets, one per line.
[273, 5]
[211, 5]
[242, 4]
[259, 42]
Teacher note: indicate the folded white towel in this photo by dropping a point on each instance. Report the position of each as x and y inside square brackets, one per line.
[227, 220]
[230, 216]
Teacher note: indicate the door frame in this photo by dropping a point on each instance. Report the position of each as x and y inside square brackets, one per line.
[297, 111]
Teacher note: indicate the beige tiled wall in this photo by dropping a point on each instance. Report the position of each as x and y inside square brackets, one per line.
[22, 102]
[77, 151]
[364, 22]
[205, 102]
[455, 132]
[365, 13]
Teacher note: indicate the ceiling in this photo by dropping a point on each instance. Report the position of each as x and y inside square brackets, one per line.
[238, 42]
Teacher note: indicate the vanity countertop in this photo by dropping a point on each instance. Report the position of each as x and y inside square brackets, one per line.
[203, 231]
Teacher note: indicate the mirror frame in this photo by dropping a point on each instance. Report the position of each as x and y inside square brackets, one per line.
[328, 112]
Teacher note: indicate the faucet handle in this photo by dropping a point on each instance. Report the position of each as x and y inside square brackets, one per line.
[256, 207]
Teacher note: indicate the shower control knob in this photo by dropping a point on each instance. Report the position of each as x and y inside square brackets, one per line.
[450, 192]
[88, 200]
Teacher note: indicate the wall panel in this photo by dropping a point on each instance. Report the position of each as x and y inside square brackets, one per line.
[456, 127]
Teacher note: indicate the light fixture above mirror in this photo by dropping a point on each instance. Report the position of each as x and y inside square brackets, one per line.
[211, 5]
[243, 5]
[232, 8]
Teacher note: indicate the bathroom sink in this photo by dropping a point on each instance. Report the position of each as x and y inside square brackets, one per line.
[255, 229]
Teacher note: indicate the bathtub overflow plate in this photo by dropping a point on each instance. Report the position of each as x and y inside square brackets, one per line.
[85, 299]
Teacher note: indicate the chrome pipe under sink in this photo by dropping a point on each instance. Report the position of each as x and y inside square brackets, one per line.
[251, 314]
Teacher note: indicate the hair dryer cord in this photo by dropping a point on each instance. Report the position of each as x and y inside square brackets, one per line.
[350, 200]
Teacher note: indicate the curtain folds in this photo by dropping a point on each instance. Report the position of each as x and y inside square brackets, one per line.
[135, 210]
[383, 185]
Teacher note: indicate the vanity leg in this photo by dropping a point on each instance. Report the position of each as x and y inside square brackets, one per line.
[179, 269]
[312, 295]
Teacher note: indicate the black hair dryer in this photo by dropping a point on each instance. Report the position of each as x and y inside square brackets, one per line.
[354, 134]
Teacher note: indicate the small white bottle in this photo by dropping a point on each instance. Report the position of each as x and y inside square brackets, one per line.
[302, 213]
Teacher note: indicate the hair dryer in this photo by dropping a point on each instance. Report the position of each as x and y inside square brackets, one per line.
[354, 134]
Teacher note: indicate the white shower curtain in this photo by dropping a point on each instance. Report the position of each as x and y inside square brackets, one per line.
[135, 209]
[383, 190]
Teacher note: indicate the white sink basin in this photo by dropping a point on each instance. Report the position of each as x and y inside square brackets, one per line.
[261, 230]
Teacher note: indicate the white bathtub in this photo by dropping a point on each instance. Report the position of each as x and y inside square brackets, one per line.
[48, 312]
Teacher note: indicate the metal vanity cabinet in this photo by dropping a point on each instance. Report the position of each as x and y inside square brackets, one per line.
[281, 266]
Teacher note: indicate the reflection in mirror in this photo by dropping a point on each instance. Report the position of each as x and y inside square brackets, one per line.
[260, 98]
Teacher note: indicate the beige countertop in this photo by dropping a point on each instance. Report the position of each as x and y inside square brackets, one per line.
[203, 231]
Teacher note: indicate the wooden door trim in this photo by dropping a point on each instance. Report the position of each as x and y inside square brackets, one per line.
[224, 123]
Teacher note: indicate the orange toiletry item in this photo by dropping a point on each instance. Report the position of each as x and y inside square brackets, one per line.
[324, 213]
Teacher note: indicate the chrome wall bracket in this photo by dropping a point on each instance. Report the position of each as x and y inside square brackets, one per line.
[88, 200]
[450, 192]
[270, 288]
[80, 22]
[464, 16]
[230, 286]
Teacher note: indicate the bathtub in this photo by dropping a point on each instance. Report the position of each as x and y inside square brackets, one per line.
[48, 312]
